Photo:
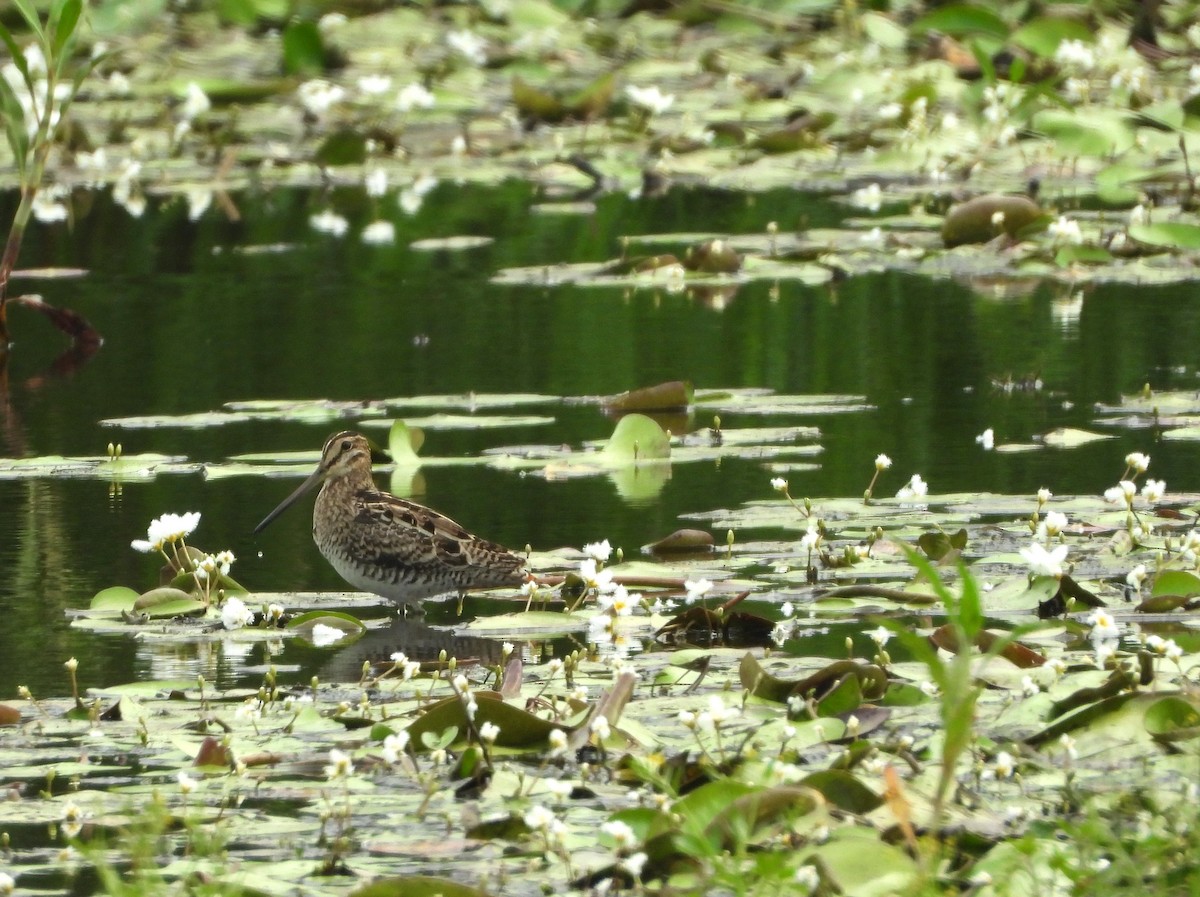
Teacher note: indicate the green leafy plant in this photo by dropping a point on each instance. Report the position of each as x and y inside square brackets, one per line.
[32, 116]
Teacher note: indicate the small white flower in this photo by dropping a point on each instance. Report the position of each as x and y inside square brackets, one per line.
[634, 863]
[1075, 55]
[650, 98]
[779, 484]
[787, 609]
[889, 112]
[1135, 577]
[1042, 562]
[329, 222]
[379, 233]
[915, 488]
[1029, 687]
[1152, 490]
[340, 765]
[414, 96]
[600, 727]
[869, 197]
[811, 539]
[620, 833]
[1103, 624]
[1068, 745]
[488, 732]
[1004, 765]
[394, 746]
[1122, 493]
[882, 462]
[376, 182]
[1138, 215]
[560, 788]
[557, 740]
[186, 783]
[807, 879]
[469, 45]
[1053, 523]
[1139, 462]
[318, 97]
[374, 85]
[598, 551]
[987, 439]
[235, 614]
[195, 102]
[687, 719]
[1065, 230]
[1044, 495]
[539, 818]
[167, 529]
[599, 581]
[696, 589]
[7, 884]
[880, 636]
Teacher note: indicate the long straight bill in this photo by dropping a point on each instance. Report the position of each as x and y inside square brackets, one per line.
[313, 480]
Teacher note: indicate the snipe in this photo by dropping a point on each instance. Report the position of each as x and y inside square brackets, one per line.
[387, 545]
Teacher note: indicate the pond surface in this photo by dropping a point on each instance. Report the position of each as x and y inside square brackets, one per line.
[196, 314]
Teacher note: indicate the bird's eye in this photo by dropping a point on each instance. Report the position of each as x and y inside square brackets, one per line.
[345, 445]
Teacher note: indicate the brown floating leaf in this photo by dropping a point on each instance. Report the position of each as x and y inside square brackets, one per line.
[9, 715]
[417, 886]
[1018, 655]
[712, 257]
[872, 680]
[683, 540]
[670, 396]
[983, 218]
[213, 753]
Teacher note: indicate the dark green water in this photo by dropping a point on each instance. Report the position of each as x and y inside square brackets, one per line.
[191, 322]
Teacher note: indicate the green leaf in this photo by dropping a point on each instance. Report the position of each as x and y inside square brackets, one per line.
[32, 19]
[303, 49]
[1176, 582]
[638, 438]
[114, 598]
[960, 20]
[1042, 36]
[344, 146]
[63, 19]
[403, 444]
[1169, 234]
[1173, 718]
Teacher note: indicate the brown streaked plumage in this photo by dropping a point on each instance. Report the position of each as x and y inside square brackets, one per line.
[387, 545]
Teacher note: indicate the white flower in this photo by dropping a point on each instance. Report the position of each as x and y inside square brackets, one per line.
[620, 833]
[1122, 493]
[650, 98]
[414, 96]
[340, 765]
[560, 788]
[379, 233]
[869, 197]
[872, 239]
[598, 551]
[687, 719]
[329, 222]
[1065, 230]
[166, 529]
[1076, 55]
[488, 732]
[880, 636]
[882, 462]
[317, 97]
[807, 879]
[557, 740]
[1152, 490]
[1068, 745]
[622, 603]
[413, 196]
[1004, 766]
[7, 884]
[987, 439]
[1053, 523]
[47, 205]
[1139, 462]
[811, 538]
[1042, 562]
[787, 609]
[634, 863]
[195, 102]
[376, 182]
[323, 636]
[1044, 495]
[235, 614]
[696, 589]
[779, 484]
[929, 688]
[469, 45]
[373, 85]
[889, 112]
[600, 727]
[186, 783]
[1104, 651]
[914, 488]
[539, 818]
[1138, 215]
[1104, 626]
[1029, 687]
[599, 581]
[394, 746]
[1135, 577]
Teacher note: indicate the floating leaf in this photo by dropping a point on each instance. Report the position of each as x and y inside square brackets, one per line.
[637, 438]
[1173, 718]
[983, 218]
[676, 394]
[168, 602]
